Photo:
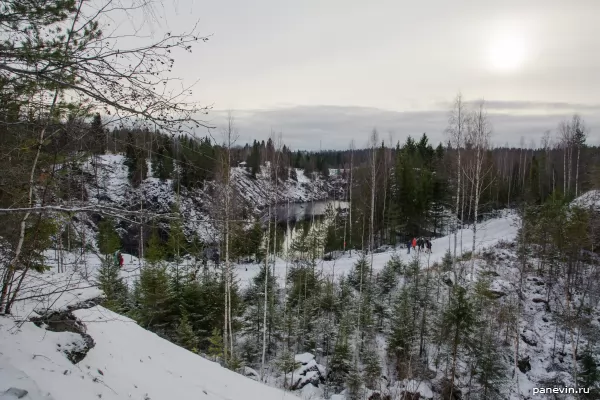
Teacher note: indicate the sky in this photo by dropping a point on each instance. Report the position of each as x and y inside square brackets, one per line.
[325, 72]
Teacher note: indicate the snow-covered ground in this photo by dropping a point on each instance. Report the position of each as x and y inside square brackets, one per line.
[489, 233]
[589, 199]
[127, 362]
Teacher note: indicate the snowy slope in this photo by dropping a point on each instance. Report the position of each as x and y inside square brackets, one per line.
[127, 362]
[489, 233]
[589, 199]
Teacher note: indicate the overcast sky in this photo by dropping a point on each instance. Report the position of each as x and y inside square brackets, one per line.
[324, 72]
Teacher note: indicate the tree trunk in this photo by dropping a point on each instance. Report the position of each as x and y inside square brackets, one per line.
[264, 344]
[577, 172]
[565, 170]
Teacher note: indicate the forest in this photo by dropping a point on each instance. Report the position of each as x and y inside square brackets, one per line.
[446, 322]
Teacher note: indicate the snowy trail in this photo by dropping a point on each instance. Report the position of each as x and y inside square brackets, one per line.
[489, 233]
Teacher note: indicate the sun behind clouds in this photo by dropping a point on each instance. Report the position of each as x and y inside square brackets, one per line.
[507, 51]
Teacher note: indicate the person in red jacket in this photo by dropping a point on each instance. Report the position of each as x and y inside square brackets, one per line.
[414, 243]
[120, 260]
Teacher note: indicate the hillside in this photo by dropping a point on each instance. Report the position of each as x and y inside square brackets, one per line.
[106, 184]
[124, 361]
[127, 361]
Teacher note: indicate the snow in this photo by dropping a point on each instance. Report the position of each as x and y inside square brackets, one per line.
[310, 392]
[126, 362]
[489, 234]
[589, 199]
[304, 358]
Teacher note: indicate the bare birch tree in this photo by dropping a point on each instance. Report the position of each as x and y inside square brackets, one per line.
[456, 129]
[479, 135]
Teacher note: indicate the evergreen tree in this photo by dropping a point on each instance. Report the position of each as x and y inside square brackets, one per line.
[253, 160]
[177, 245]
[340, 365]
[215, 348]
[111, 283]
[361, 268]
[354, 383]
[135, 161]
[372, 368]
[162, 159]
[108, 238]
[401, 339]
[98, 135]
[155, 250]
[589, 375]
[153, 300]
[458, 323]
[185, 334]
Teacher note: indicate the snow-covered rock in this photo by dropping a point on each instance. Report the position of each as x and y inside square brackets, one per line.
[308, 372]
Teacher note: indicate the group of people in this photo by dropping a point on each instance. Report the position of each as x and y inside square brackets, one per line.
[419, 243]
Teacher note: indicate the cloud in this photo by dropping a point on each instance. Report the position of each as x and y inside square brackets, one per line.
[333, 127]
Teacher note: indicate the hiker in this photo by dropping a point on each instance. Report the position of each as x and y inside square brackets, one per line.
[120, 260]
[420, 243]
[428, 244]
[414, 243]
[116, 258]
[408, 245]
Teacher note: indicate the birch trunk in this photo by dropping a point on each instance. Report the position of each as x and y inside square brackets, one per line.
[373, 171]
[565, 170]
[264, 344]
[350, 199]
[577, 172]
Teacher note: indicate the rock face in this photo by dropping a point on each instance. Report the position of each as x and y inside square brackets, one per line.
[110, 187]
[14, 393]
[65, 321]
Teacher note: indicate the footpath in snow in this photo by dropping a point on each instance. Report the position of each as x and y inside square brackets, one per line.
[489, 233]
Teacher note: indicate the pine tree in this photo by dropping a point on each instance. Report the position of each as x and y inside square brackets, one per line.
[135, 161]
[215, 349]
[162, 159]
[98, 135]
[354, 383]
[253, 160]
[108, 238]
[402, 337]
[155, 251]
[111, 283]
[340, 364]
[185, 334]
[360, 273]
[153, 300]
[589, 375]
[131, 159]
[372, 368]
[458, 322]
[176, 246]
